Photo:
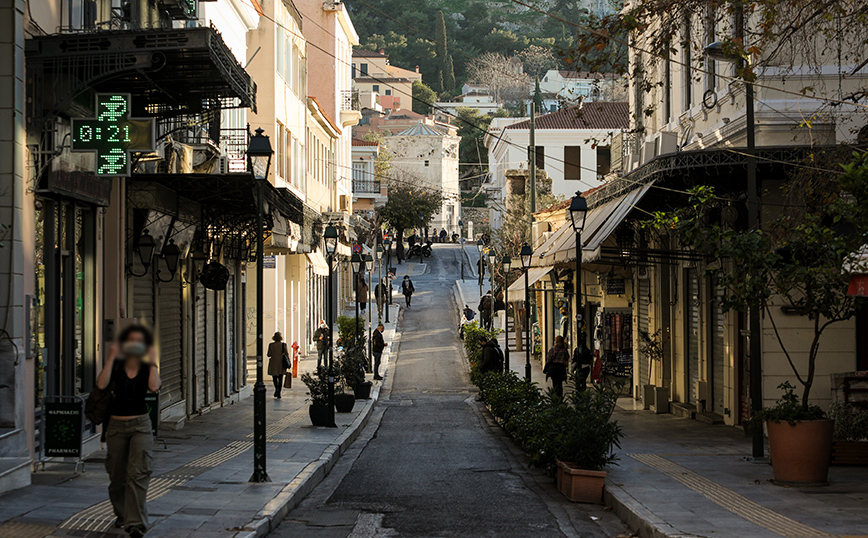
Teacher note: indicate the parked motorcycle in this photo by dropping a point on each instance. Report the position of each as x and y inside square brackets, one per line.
[426, 250]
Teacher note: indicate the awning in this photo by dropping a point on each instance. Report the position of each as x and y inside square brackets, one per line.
[533, 276]
[600, 223]
[345, 249]
[318, 263]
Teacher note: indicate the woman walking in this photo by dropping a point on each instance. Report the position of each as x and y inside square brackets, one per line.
[276, 367]
[131, 370]
[556, 365]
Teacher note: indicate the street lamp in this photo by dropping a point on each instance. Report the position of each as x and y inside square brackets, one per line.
[492, 260]
[259, 154]
[357, 262]
[526, 254]
[330, 236]
[506, 264]
[388, 242]
[380, 282]
[369, 268]
[172, 254]
[480, 245]
[719, 51]
[578, 214]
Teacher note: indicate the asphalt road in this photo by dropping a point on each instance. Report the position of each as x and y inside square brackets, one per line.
[431, 463]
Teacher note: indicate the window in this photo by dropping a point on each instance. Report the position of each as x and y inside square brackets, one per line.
[290, 61]
[687, 59]
[354, 71]
[375, 87]
[573, 162]
[388, 92]
[281, 151]
[426, 163]
[604, 160]
[364, 69]
[540, 158]
[280, 59]
[296, 79]
[287, 155]
[710, 65]
[667, 90]
[553, 108]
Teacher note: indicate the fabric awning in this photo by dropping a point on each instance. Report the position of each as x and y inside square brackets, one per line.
[533, 276]
[318, 263]
[600, 223]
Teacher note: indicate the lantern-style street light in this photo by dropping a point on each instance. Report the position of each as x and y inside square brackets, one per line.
[526, 254]
[506, 265]
[578, 215]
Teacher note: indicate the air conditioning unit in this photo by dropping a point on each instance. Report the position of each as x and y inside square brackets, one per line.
[665, 142]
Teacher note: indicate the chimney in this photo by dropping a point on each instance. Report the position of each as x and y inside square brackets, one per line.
[383, 52]
[417, 68]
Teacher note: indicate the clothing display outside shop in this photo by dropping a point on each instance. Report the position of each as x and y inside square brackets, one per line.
[613, 342]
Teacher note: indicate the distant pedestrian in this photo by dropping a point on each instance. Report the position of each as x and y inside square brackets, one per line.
[277, 367]
[434, 234]
[443, 235]
[469, 314]
[492, 355]
[129, 437]
[407, 289]
[557, 360]
[322, 336]
[583, 361]
[377, 347]
[362, 293]
[485, 310]
[380, 296]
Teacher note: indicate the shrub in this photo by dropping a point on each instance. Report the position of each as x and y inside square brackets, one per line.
[347, 331]
[851, 423]
[353, 362]
[317, 385]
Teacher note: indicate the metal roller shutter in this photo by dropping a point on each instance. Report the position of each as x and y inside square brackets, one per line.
[210, 344]
[143, 299]
[717, 354]
[230, 334]
[644, 302]
[692, 334]
[171, 340]
[200, 347]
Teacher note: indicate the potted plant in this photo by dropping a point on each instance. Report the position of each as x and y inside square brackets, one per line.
[850, 436]
[344, 401]
[317, 386]
[585, 441]
[800, 439]
[353, 362]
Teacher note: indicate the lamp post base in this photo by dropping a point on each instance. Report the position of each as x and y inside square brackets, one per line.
[259, 473]
[527, 371]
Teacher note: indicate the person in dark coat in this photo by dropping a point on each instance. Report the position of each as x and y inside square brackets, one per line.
[407, 289]
[557, 360]
[492, 356]
[322, 336]
[380, 297]
[485, 310]
[276, 369]
[362, 293]
[443, 235]
[377, 347]
[583, 361]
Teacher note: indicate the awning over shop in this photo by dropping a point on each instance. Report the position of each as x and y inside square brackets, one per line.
[318, 263]
[600, 223]
[344, 249]
[533, 276]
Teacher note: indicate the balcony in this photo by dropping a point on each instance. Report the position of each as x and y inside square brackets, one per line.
[366, 186]
[350, 107]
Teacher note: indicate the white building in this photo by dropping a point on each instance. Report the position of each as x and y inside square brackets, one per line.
[572, 146]
[573, 86]
[427, 155]
[475, 98]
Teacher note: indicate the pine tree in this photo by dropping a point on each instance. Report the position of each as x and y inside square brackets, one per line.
[537, 97]
[448, 75]
[440, 50]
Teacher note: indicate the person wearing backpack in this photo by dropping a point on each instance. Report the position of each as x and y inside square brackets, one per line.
[557, 360]
[492, 356]
[129, 373]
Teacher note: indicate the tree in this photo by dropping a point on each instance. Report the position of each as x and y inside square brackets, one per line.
[537, 97]
[472, 125]
[423, 97]
[441, 51]
[503, 76]
[799, 258]
[537, 60]
[409, 206]
[448, 75]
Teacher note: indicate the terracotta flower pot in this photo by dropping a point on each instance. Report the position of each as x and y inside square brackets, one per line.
[801, 452]
[579, 485]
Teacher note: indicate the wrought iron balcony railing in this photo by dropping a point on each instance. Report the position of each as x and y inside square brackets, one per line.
[350, 100]
[366, 186]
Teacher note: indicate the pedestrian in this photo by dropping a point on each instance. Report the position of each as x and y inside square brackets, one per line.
[132, 371]
[277, 366]
[362, 293]
[443, 235]
[468, 313]
[492, 355]
[485, 310]
[377, 347]
[380, 296]
[434, 234]
[583, 360]
[557, 360]
[412, 239]
[407, 289]
[322, 336]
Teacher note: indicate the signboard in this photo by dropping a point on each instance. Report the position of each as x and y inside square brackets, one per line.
[152, 402]
[269, 262]
[616, 286]
[112, 134]
[63, 428]
[357, 248]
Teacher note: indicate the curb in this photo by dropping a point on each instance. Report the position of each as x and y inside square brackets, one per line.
[267, 519]
[637, 517]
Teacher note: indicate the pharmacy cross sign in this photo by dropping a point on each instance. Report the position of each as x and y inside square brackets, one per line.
[112, 134]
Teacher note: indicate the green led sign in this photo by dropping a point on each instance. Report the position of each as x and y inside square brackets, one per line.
[112, 134]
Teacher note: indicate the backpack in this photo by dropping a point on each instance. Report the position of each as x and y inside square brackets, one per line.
[96, 407]
[500, 358]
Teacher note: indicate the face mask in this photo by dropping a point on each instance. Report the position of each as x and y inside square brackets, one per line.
[134, 349]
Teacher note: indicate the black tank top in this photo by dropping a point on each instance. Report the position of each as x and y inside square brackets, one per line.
[129, 400]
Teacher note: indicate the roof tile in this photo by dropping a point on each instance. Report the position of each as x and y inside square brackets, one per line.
[596, 115]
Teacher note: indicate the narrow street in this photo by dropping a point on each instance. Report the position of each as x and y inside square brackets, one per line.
[431, 462]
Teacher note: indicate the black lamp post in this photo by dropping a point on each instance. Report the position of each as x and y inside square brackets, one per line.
[492, 260]
[330, 235]
[388, 242]
[357, 264]
[479, 246]
[369, 268]
[259, 154]
[717, 51]
[506, 264]
[578, 214]
[380, 281]
[526, 254]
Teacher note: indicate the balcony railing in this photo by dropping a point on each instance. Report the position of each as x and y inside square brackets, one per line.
[366, 186]
[350, 100]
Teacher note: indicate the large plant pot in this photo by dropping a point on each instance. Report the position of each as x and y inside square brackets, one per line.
[801, 452]
[362, 391]
[850, 453]
[579, 485]
[344, 403]
[319, 414]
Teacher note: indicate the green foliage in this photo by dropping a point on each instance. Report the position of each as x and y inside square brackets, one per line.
[448, 74]
[473, 333]
[347, 331]
[423, 98]
[851, 423]
[410, 206]
[317, 385]
[651, 344]
[788, 408]
[537, 97]
[577, 429]
[472, 125]
[353, 363]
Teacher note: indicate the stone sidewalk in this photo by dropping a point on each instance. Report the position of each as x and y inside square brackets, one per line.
[200, 485]
[678, 477]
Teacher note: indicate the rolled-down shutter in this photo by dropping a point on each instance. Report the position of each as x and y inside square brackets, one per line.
[143, 299]
[693, 334]
[717, 354]
[200, 347]
[644, 302]
[230, 334]
[210, 344]
[171, 342]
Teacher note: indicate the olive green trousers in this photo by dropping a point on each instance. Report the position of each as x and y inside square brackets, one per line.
[129, 463]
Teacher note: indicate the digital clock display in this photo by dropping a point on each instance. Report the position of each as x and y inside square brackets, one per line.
[112, 134]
